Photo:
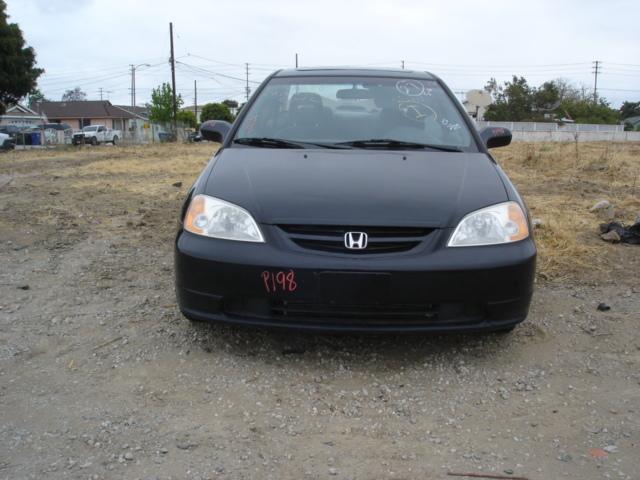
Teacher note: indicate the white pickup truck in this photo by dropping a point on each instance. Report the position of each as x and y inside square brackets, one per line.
[6, 142]
[95, 135]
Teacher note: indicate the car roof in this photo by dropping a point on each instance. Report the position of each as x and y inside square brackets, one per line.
[353, 72]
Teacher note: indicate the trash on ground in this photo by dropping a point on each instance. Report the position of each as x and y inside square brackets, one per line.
[597, 453]
[485, 475]
[604, 209]
[624, 234]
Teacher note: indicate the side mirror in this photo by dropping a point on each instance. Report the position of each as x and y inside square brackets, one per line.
[215, 130]
[495, 136]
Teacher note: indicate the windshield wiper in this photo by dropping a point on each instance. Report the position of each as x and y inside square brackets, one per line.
[396, 144]
[282, 143]
[267, 142]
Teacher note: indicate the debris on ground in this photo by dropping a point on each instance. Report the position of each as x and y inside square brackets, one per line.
[597, 453]
[611, 236]
[617, 232]
[603, 307]
[604, 209]
[5, 180]
[177, 184]
[485, 475]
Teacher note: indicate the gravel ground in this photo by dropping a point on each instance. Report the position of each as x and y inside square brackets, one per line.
[101, 377]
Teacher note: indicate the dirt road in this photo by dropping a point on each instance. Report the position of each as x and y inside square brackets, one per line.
[101, 377]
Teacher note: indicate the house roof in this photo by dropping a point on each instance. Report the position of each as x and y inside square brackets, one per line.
[633, 120]
[21, 111]
[84, 109]
[137, 110]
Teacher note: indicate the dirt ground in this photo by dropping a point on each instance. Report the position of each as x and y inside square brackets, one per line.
[102, 378]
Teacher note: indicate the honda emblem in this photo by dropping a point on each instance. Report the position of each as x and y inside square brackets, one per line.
[355, 240]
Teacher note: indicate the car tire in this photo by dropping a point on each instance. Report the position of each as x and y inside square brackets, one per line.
[115, 140]
[94, 141]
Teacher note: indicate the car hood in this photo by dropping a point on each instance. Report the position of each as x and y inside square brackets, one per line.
[355, 187]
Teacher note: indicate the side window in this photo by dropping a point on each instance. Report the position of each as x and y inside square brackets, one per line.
[101, 129]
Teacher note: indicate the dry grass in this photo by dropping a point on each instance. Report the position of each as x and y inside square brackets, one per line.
[559, 182]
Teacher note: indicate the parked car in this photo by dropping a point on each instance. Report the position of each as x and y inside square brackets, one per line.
[96, 134]
[6, 142]
[355, 201]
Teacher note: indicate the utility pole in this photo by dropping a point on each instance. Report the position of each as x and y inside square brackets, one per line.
[195, 100]
[100, 93]
[173, 83]
[133, 81]
[246, 88]
[296, 60]
[133, 88]
[596, 69]
[402, 64]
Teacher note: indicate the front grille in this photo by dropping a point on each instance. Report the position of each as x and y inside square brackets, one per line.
[329, 238]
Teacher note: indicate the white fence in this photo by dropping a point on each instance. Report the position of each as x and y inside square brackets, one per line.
[567, 132]
[553, 127]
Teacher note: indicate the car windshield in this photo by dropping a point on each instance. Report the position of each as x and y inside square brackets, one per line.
[90, 129]
[354, 111]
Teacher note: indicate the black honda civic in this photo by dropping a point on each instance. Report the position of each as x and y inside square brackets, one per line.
[351, 200]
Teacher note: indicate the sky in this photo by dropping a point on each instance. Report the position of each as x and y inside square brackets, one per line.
[92, 43]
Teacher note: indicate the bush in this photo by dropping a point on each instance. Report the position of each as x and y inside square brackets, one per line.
[187, 119]
[216, 111]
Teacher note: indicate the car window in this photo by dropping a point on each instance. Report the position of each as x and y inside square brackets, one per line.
[343, 109]
[89, 129]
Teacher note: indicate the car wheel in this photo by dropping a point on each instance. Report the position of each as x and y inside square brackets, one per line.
[94, 141]
[115, 140]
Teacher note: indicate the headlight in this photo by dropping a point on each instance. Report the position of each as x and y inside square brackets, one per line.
[502, 223]
[216, 218]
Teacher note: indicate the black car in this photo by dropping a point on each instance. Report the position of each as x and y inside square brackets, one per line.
[352, 200]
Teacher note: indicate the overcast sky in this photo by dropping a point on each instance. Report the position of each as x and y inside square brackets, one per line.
[91, 43]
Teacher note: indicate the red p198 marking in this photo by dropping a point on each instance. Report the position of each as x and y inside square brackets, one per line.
[279, 281]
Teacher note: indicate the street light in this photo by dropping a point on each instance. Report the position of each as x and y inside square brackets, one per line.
[133, 81]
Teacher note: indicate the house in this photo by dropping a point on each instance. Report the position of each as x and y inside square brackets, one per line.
[633, 121]
[20, 116]
[78, 114]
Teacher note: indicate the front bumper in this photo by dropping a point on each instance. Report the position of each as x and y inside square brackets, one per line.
[430, 289]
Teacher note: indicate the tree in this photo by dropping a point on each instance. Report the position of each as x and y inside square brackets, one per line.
[513, 101]
[75, 95]
[187, 119]
[230, 103]
[629, 109]
[36, 96]
[216, 111]
[587, 111]
[546, 97]
[567, 91]
[161, 107]
[18, 75]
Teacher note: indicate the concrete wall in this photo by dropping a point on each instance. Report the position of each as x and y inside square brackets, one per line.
[576, 136]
